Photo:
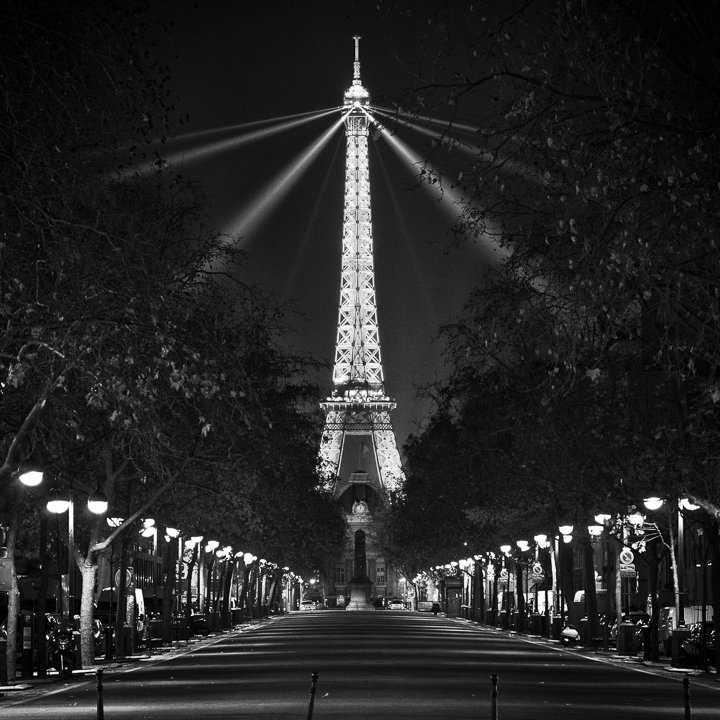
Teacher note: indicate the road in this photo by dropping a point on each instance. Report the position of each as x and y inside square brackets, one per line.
[383, 664]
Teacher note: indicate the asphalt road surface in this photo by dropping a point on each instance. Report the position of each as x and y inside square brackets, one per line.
[381, 665]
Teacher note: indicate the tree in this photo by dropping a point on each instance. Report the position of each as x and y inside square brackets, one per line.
[594, 168]
[131, 361]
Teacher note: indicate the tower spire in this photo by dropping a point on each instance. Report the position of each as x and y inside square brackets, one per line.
[357, 96]
[356, 66]
[358, 404]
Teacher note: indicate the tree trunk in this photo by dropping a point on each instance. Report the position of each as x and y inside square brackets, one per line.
[520, 596]
[170, 561]
[188, 599]
[243, 603]
[654, 641]
[13, 596]
[271, 591]
[41, 640]
[121, 598]
[567, 584]
[88, 571]
[226, 619]
[591, 604]
[216, 595]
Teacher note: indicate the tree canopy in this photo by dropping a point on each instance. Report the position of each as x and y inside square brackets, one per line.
[587, 362]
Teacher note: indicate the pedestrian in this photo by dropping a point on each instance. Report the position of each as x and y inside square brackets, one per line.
[435, 608]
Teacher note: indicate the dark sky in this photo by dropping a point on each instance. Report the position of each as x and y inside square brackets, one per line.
[240, 62]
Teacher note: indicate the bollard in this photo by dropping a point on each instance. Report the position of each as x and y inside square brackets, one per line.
[686, 686]
[312, 695]
[493, 697]
[100, 708]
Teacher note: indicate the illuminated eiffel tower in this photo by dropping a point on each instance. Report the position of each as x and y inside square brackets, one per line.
[358, 405]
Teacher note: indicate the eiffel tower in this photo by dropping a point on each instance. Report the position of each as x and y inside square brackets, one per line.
[358, 452]
[358, 405]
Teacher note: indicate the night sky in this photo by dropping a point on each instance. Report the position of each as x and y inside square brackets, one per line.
[240, 62]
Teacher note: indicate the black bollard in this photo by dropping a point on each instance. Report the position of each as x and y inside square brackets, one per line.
[686, 686]
[312, 695]
[493, 697]
[100, 708]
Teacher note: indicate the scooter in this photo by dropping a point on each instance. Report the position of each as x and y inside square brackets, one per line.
[61, 644]
[569, 636]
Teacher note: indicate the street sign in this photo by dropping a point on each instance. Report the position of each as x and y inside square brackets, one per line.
[627, 570]
[129, 576]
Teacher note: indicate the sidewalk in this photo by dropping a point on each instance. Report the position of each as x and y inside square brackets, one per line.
[34, 686]
[661, 667]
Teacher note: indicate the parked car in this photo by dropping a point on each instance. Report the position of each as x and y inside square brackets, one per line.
[307, 605]
[396, 604]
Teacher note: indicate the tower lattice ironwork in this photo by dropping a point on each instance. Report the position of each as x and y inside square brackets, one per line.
[358, 404]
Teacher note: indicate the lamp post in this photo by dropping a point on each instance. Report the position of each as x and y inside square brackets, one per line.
[683, 504]
[58, 503]
[30, 478]
[564, 567]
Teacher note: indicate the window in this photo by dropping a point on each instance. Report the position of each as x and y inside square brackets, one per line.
[339, 573]
[380, 573]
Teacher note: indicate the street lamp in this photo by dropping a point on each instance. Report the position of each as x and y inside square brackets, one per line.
[59, 502]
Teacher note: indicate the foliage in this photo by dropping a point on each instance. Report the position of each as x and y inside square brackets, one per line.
[131, 361]
[594, 343]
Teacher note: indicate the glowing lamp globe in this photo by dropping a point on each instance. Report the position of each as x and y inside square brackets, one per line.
[31, 478]
[97, 503]
[57, 502]
[653, 503]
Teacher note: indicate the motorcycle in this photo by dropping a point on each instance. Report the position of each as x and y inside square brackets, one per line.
[700, 647]
[61, 647]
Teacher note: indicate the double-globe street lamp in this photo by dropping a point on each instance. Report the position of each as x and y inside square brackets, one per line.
[58, 502]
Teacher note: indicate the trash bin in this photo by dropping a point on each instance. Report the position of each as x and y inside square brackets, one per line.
[537, 623]
[625, 638]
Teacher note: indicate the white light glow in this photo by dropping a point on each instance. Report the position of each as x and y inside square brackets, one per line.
[58, 505]
[97, 504]
[31, 478]
[653, 503]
